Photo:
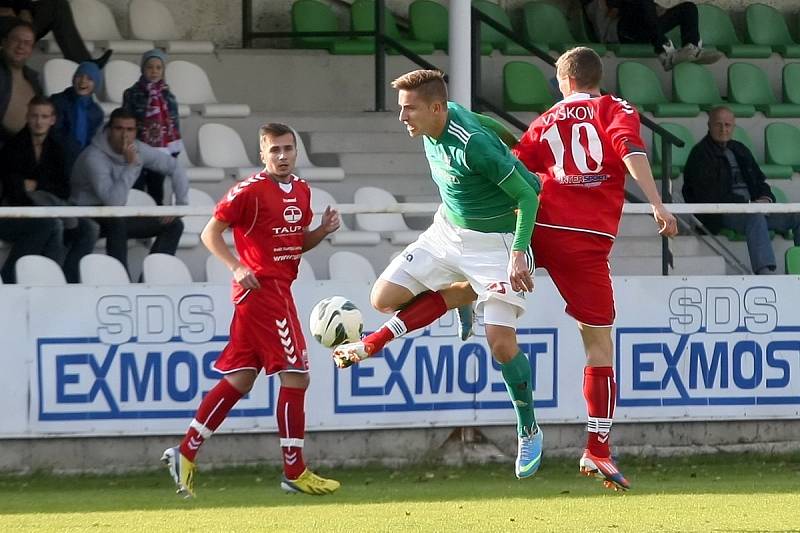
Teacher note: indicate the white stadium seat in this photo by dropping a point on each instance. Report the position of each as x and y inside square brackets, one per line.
[190, 85]
[165, 269]
[393, 225]
[350, 266]
[38, 270]
[305, 272]
[193, 225]
[101, 269]
[196, 173]
[95, 22]
[311, 172]
[152, 20]
[48, 45]
[139, 198]
[216, 271]
[220, 146]
[119, 76]
[344, 236]
[57, 75]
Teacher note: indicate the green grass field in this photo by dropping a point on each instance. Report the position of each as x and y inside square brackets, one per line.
[712, 493]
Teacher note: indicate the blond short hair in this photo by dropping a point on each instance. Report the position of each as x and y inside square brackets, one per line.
[583, 65]
[427, 83]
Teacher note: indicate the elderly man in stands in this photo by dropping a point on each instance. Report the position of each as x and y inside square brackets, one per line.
[18, 82]
[104, 175]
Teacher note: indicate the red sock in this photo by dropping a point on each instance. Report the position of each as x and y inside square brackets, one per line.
[212, 411]
[421, 311]
[600, 391]
[291, 428]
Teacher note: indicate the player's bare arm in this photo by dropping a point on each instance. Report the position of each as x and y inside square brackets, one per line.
[212, 238]
[639, 168]
[330, 222]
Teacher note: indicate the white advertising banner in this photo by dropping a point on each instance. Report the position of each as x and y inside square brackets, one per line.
[137, 359]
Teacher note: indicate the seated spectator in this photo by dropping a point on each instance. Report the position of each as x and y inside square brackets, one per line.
[643, 21]
[18, 82]
[721, 170]
[35, 174]
[157, 122]
[78, 115]
[104, 174]
[46, 16]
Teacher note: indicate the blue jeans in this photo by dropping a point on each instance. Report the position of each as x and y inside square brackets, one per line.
[756, 230]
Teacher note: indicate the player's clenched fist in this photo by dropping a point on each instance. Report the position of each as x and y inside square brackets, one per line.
[245, 277]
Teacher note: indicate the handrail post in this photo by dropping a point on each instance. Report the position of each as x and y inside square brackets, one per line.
[666, 197]
[247, 23]
[380, 57]
[475, 37]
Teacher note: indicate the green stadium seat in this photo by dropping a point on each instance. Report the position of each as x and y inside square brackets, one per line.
[767, 26]
[781, 143]
[429, 22]
[791, 83]
[362, 14]
[546, 26]
[771, 171]
[639, 85]
[312, 15]
[748, 84]
[679, 154]
[493, 37]
[525, 88]
[792, 259]
[717, 31]
[634, 50]
[694, 84]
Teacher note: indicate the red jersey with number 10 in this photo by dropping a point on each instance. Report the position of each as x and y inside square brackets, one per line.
[268, 220]
[578, 148]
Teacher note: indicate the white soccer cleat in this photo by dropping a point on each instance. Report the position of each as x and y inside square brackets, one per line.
[351, 353]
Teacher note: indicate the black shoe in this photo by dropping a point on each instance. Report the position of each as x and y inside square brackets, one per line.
[103, 59]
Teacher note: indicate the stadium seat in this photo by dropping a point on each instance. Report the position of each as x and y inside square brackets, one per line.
[639, 85]
[679, 154]
[139, 198]
[165, 269]
[217, 272]
[350, 266]
[767, 26]
[305, 272]
[694, 84]
[344, 236]
[717, 31]
[57, 75]
[362, 16]
[193, 225]
[748, 84]
[632, 50]
[312, 15]
[780, 145]
[151, 20]
[311, 172]
[190, 85]
[791, 83]
[196, 173]
[429, 22]
[546, 26]
[48, 45]
[95, 22]
[771, 171]
[221, 147]
[393, 225]
[492, 37]
[38, 270]
[102, 269]
[792, 258]
[525, 88]
[119, 76]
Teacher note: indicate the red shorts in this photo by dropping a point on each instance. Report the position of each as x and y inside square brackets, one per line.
[265, 333]
[577, 262]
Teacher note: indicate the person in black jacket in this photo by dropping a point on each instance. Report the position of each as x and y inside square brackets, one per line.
[18, 82]
[721, 170]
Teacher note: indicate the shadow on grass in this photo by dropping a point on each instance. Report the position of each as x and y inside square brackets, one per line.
[258, 487]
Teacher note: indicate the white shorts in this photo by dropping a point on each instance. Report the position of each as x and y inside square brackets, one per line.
[445, 254]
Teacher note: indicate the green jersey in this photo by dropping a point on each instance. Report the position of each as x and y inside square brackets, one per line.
[481, 184]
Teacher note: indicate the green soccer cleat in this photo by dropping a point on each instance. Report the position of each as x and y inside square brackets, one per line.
[181, 469]
[310, 483]
[466, 321]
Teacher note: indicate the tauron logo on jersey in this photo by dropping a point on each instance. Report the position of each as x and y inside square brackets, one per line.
[292, 214]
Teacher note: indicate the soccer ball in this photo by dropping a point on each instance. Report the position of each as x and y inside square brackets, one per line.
[336, 320]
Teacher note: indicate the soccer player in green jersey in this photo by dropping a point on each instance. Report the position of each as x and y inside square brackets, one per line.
[479, 240]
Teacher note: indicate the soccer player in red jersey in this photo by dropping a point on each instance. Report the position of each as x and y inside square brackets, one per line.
[269, 214]
[582, 148]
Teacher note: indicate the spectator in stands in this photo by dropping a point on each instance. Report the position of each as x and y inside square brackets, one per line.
[721, 170]
[104, 174]
[157, 122]
[18, 82]
[33, 162]
[46, 16]
[643, 21]
[78, 115]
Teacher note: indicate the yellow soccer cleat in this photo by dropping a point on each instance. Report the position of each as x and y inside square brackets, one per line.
[181, 469]
[310, 483]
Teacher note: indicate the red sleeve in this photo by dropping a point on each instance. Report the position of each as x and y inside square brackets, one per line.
[233, 206]
[623, 128]
[525, 150]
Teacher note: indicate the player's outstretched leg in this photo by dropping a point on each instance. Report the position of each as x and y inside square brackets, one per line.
[466, 321]
[310, 483]
[181, 469]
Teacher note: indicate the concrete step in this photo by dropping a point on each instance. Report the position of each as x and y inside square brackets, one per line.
[363, 142]
[707, 265]
[630, 246]
[384, 163]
